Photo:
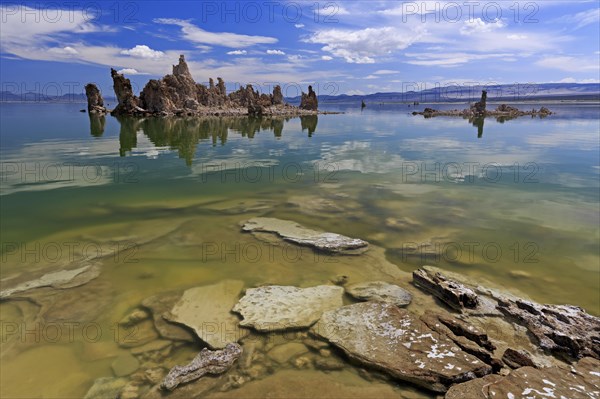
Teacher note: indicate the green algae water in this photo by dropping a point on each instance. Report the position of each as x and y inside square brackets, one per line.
[157, 205]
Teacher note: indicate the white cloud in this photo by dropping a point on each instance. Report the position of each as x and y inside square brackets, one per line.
[68, 50]
[453, 59]
[195, 34]
[294, 57]
[27, 26]
[362, 46]
[580, 81]
[478, 25]
[299, 26]
[237, 52]
[275, 52]
[570, 64]
[414, 8]
[583, 18]
[130, 71]
[143, 51]
[385, 72]
[369, 77]
[516, 37]
[355, 92]
[326, 58]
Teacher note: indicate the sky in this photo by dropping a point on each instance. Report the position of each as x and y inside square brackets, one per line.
[338, 47]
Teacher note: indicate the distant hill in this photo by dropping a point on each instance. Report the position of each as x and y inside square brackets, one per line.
[7, 96]
[508, 93]
[513, 93]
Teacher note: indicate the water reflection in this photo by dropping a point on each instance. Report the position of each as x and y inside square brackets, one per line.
[478, 123]
[97, 123]
[184, 134]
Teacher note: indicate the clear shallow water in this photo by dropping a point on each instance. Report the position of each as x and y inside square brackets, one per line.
[516, 203]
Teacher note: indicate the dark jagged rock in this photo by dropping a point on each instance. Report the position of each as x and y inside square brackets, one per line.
[94, 99]
[451, 292]
[507, 109]
[277, 95]
[517, 358]
[564, 330]
[479, 108]
[255, 110]
[128, 102]
[207, 362]
[309, 101]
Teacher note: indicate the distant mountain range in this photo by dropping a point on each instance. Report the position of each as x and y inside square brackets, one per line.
[508, 93]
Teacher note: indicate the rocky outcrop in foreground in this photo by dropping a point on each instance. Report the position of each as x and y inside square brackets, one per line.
[178, 94]
[443, 333]
[386, 337]
[479, 110]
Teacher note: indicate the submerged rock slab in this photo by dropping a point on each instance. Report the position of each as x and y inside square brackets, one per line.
[207, 362]
[391, 339]
[59, 280]
[207, 310]
[379, 291]
[159, 305]
[580, 381]
[276, 307]
[298, 234]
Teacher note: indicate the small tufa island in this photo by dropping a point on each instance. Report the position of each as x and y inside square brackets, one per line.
[179, 94]
[479, 110]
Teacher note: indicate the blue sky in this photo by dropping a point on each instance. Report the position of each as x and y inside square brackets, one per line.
[352, 47]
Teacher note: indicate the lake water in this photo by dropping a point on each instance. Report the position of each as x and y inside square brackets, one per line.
[516, 202]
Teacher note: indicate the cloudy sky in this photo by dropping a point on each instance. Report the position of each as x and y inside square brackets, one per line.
[352, 47]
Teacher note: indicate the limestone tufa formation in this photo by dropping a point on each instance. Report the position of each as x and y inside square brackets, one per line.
[178, 94]
[95, 100]
[309, 101]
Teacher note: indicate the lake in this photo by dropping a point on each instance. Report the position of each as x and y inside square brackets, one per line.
[515, 202]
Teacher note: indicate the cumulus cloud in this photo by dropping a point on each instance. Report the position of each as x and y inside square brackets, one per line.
[197, 35]
[478, 25]
[275, 52]
[237, 52]
[299, 26]
[326, 58]
[362, 46]
[143, 51]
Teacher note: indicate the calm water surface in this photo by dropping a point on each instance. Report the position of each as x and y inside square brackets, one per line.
[515, 202]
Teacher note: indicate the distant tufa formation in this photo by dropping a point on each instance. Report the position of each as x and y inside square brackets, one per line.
[479, 110]
[179, 94]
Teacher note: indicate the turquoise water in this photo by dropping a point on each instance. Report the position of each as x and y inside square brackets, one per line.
[516, 202]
